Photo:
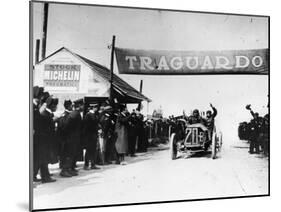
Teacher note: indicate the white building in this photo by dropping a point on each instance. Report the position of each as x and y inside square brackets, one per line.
[67, 75]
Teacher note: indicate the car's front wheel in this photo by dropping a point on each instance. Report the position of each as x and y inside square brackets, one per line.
[173, 147]
[214, 146]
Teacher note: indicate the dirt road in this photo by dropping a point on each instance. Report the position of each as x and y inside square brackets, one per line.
[153, 176]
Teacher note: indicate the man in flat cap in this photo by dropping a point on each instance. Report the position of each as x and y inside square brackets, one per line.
[46, 136]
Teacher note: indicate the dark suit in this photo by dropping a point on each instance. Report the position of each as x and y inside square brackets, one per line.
[210, 123]
[65, 151]
[90, 133]
[140, 133]
[132, 134]
[36, 146]
[195, 120]
[254, 127]
[107, 124]
[74, 130]
[45, 139]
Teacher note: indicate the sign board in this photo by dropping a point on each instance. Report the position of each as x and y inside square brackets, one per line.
[62, 77]
[153, 62]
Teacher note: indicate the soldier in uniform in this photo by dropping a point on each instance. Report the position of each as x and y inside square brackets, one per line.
[65, 153]
[91, 127]
[46, 135]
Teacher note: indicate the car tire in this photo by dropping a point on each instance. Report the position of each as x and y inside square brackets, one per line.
[214, 146]
[173, 148]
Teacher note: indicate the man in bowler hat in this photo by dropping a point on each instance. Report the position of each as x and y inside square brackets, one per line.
[74, 129]
[91, 127]
[65, 151]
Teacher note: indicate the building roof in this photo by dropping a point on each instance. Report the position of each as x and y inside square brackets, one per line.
[119, 84]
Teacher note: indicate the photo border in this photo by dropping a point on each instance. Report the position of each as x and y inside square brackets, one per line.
[139, 8]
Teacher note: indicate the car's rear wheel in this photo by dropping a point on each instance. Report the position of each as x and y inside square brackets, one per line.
[173, 147]
[214, 146]
[219, 141]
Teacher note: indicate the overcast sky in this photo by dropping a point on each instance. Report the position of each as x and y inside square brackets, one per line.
[88, 31]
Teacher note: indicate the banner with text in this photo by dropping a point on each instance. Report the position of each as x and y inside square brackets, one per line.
[153, 62]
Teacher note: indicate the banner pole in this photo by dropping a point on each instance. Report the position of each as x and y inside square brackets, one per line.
[140, 104]
[111, 69]
[45, 26]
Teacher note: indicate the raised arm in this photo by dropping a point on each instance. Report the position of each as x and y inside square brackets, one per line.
[248, 107]
[215, 112]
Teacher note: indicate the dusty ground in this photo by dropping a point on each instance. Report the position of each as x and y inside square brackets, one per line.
[153, 176]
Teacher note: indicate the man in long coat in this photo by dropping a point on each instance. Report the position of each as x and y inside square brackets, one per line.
[108, 135]
[74, 129]
[254, 131]
[46, 138]
[36, 130]
[121, 129]
[90, 128]
[142, 143]
[66, 152]
[132, 134]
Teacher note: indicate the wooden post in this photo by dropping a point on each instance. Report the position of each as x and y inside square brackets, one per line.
[141, 86]
[147, 109]
[45, 25]
[111, 69]
[37, 47]
[140, 105]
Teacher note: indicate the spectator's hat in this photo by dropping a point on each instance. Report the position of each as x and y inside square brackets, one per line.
[35, 91]
[78, 102]
[122, 106]
[95, 105]
[44, 97]
[67, 103]
[107, 108]
[52, 101]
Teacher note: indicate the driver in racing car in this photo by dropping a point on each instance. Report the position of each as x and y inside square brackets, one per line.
[195, 118]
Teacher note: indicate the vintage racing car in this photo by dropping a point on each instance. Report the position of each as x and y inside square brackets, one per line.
[194, 138]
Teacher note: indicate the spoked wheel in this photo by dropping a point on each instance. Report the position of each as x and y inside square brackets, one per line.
[173, 147]
[219, 144]
[214, 146]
